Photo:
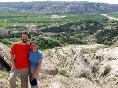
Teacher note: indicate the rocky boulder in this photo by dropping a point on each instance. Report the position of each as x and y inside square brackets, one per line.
[4, 57]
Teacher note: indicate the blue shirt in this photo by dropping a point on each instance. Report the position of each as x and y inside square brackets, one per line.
[34, 57]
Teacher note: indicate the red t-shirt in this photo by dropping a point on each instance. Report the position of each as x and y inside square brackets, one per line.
[21, 55]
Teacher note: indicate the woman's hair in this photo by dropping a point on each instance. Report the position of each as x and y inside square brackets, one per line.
[33, 42]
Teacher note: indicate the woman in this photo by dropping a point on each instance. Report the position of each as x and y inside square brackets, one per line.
[35, 58]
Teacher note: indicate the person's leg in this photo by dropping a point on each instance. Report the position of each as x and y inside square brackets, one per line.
[36, 78]
[36, 86]
[12, 79]
[24, 78]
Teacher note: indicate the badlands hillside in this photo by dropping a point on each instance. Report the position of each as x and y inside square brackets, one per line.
[72, 66]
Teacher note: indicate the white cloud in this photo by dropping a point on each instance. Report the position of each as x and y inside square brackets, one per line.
[104, 1]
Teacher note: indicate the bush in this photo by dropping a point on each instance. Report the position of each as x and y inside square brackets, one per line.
[69, 38]
[3, 73]
[85, 74]
[6, 42]
[108, 42]
[106, 36]
[63, 72]
[46, 43]
[107, 70]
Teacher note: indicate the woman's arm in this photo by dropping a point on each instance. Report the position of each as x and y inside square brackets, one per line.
[37, 69]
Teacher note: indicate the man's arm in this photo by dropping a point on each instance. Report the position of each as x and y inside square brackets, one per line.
[12, 61]
[13, 52]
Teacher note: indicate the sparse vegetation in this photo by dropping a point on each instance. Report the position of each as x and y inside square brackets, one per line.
[107, 70]
[3, 73]
[85, 73]
[95, 68]
[46, 43]
[113, 14]
[6, 42]
[63, 71]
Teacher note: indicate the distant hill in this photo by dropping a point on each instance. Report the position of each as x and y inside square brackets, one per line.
[57, 7]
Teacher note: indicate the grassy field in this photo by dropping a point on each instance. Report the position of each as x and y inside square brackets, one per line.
[22, 19]
[69, 28]
[115, 14]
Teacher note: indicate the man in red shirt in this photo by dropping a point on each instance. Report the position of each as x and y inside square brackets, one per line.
[20, 64]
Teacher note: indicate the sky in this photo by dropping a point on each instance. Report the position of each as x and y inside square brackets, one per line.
[103, 1]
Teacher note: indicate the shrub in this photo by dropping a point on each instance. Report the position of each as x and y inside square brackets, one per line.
[6, 42]
[63, 72]
[85, 74]
[107, 70]
[3, 73]
[46, 43]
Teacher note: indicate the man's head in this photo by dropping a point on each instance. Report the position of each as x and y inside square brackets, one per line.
[24, 37]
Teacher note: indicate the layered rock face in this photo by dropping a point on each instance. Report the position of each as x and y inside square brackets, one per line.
[74, 66]
[107, 60]
[71, 58]
[95, 63]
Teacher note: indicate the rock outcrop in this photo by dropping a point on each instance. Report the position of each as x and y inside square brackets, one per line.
[107, 60]
[4, 57]
[72, 58]
[74, 66]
